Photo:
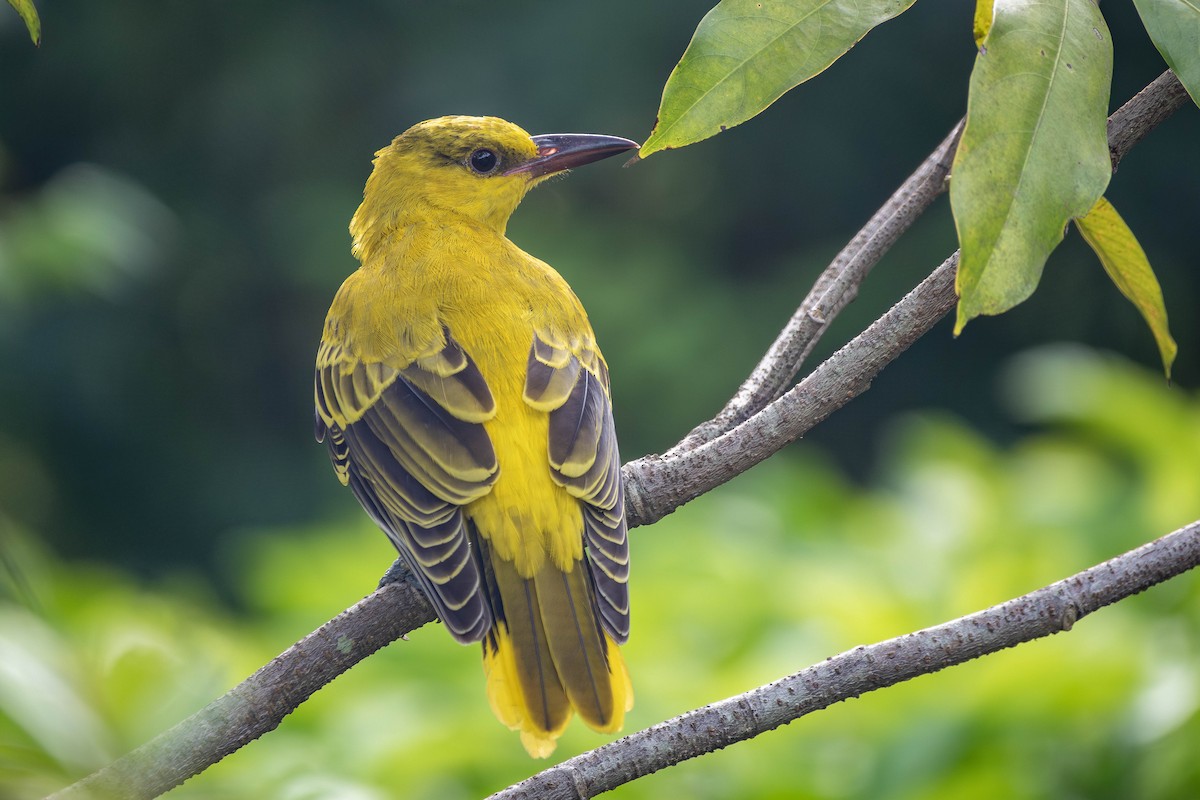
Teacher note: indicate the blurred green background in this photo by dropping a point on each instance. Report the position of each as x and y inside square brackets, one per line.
[175, 184]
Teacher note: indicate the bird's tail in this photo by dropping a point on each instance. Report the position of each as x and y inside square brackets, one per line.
[547, 656]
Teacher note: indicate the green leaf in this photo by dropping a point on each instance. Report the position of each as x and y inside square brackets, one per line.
[1174, 27]
[1127, 265]
[29, 14]
[745, 55]
[983, 20]
[1034, 153]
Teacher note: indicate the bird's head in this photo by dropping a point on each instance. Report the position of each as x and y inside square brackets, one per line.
[478, 167]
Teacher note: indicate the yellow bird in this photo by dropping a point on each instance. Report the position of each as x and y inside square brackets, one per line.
[464, 401]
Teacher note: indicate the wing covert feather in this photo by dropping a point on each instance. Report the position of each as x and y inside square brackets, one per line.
[571, 384]
[409, 440]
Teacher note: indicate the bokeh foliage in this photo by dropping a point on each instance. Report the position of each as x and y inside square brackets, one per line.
[784, 568]
[150, 417]
[174, 189]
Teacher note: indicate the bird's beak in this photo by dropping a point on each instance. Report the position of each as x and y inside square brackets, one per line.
[559, 151]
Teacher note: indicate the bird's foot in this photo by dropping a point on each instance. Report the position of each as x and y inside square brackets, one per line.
[399, 572]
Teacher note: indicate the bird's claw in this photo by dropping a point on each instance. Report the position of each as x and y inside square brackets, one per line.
[399, 572]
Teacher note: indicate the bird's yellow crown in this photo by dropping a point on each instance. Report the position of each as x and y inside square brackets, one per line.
[446, 166]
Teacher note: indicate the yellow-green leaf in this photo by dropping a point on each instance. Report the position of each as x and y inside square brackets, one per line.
[983, 20]
[745, 55]
[29, 14]
[1174, 27]
[1127, 265]
[1034, 153]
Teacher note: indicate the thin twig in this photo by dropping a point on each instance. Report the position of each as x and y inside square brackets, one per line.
[838, 286]
[656, 485]
[1144, 112]
[1040, 613]
[835, 288]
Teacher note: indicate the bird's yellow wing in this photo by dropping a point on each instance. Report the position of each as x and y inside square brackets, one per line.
[409, 441]
[569, 381]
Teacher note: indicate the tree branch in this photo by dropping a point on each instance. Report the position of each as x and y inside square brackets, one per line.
[258, 704]
[1040, 613]
[655, 486]
[834, 289]
[1144, 112]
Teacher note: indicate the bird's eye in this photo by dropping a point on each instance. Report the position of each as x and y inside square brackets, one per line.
[483, 161]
